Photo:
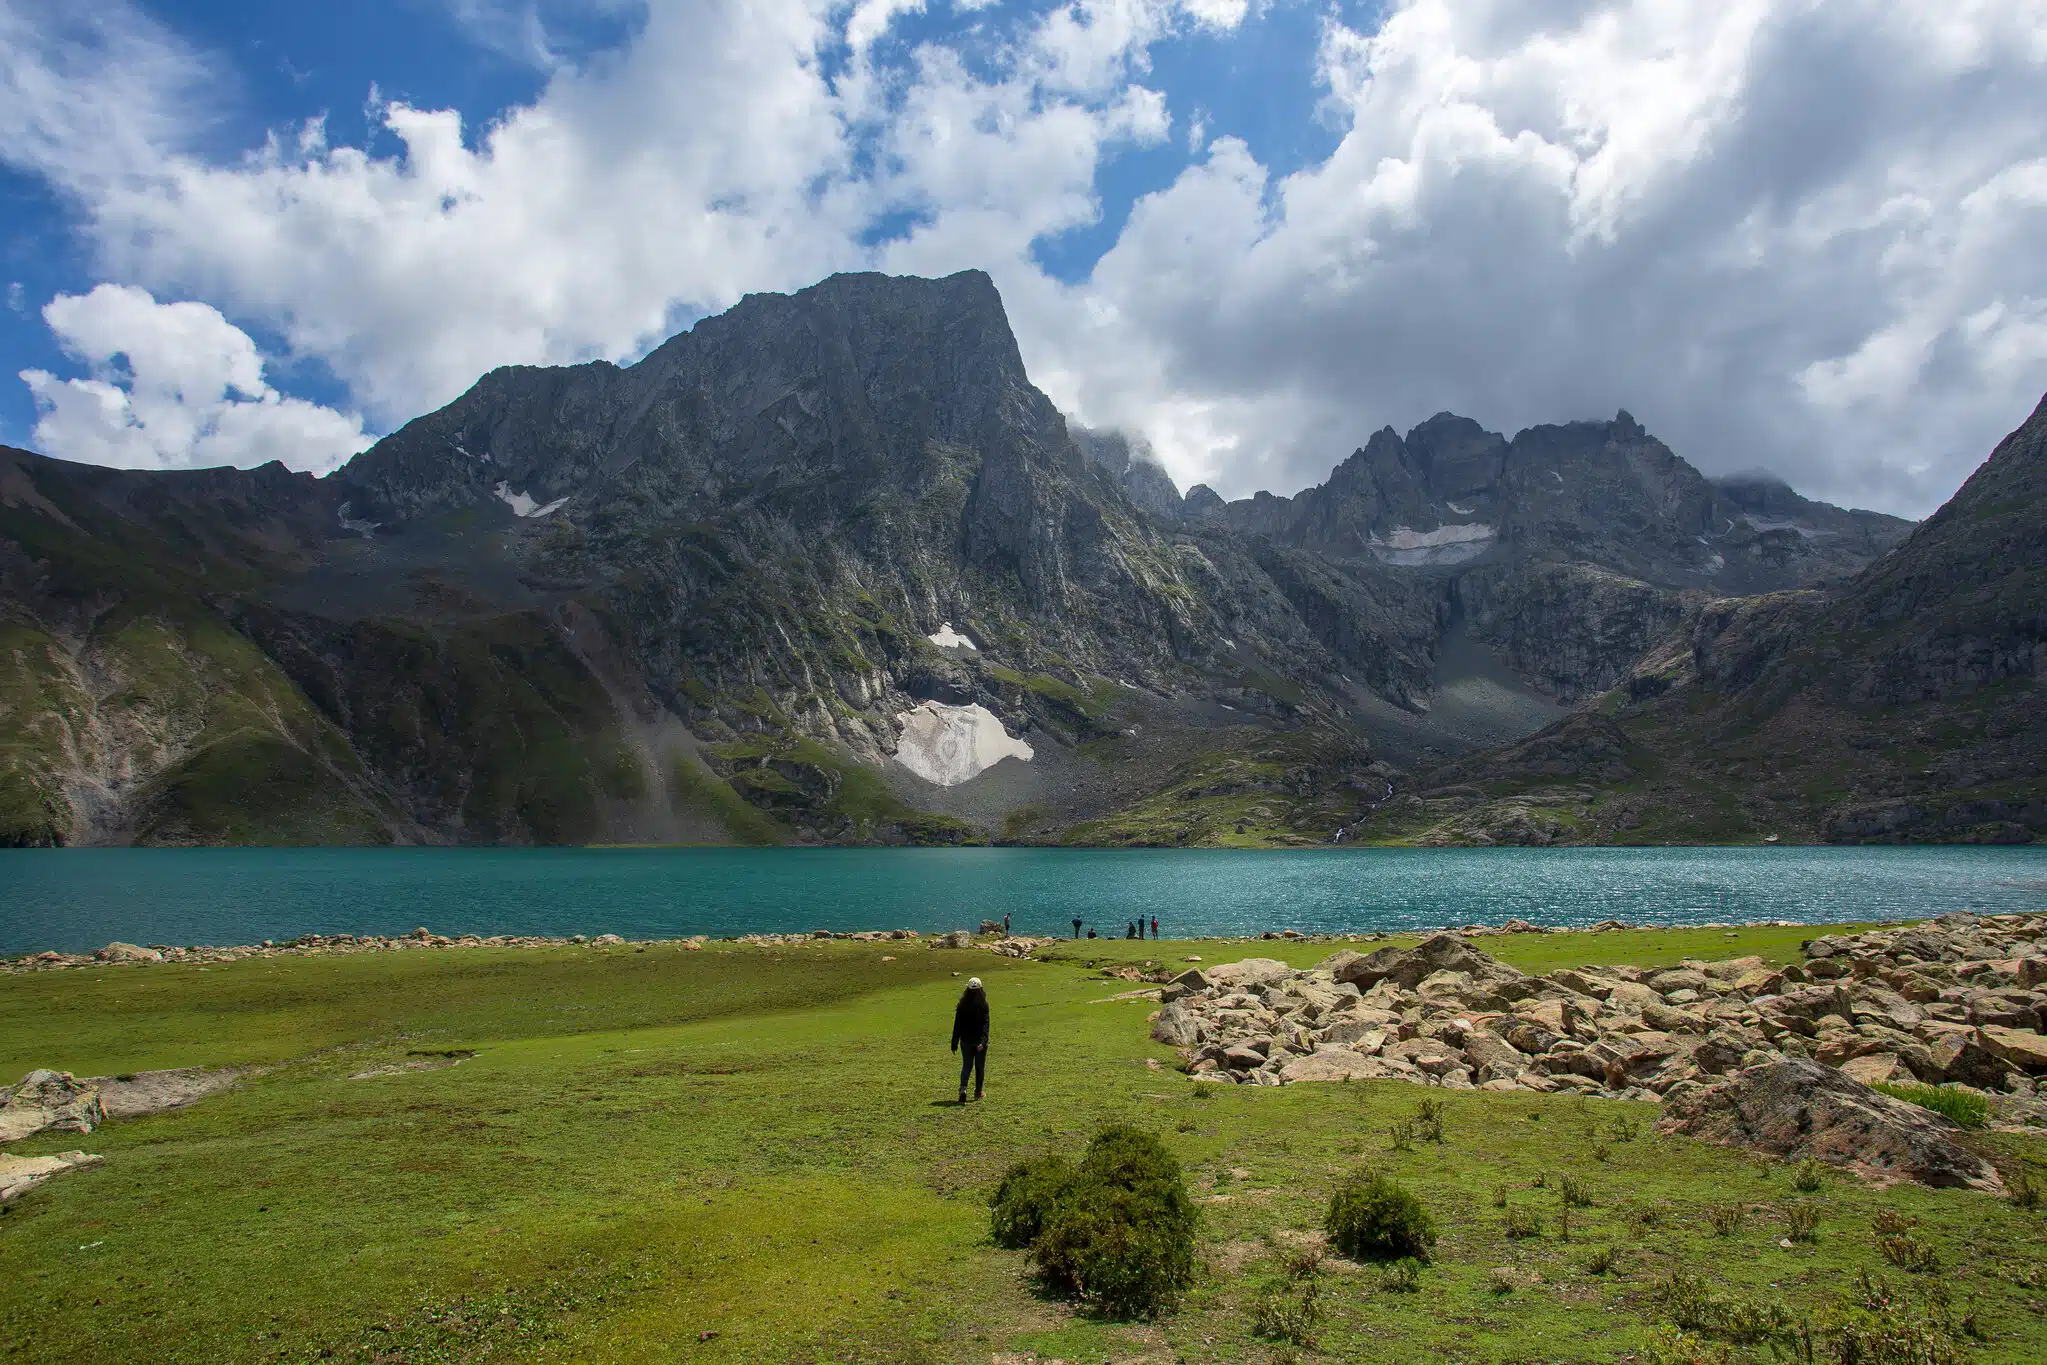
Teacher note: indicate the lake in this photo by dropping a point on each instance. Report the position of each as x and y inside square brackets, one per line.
[73, 900]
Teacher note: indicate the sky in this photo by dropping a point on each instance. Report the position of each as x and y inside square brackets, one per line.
[1807, 236]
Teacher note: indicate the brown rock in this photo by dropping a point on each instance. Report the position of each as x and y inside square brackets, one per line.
[49, 1102]
[1963, 1059]
[1335, 1064]
[1877, 1068]
[2020, 1047]
[1797, 1108]
[1175, 1027]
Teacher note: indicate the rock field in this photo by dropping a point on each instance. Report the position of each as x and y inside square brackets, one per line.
[1957, 1001]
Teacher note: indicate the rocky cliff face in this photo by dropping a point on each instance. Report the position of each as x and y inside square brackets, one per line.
[1899, 705]
[707, 596]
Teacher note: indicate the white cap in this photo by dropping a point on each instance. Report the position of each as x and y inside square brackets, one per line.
[973, 983]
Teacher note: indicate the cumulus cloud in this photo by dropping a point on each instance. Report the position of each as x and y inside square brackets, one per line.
[1804, 234]
[174, 385]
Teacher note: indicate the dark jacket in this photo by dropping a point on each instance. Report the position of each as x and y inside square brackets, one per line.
[970, 1020]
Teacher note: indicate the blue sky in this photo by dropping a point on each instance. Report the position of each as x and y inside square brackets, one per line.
[1803, 235]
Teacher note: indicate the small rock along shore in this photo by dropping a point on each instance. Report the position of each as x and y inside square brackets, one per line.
[990, 937]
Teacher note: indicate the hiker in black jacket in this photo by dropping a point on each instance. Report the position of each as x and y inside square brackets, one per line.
[970, 1035]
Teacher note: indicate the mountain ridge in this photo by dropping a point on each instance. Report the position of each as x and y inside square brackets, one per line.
[701, 597]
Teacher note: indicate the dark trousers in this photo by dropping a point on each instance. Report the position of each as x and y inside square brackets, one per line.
[974, 1062]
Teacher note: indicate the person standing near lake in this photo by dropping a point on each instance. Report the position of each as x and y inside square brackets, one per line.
[1154, 928]
[1076, 926]
[970, 1035]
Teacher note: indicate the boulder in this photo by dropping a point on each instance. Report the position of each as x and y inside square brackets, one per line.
[1798, 1109]
[1963, 1059]
[1669, 1019]
[1175, 1027]
[1191, 979]
[49, 1102]
[2021, 1048]
[127, 952]
[1878, 1068]
[20, 1174]
[607, 941]
[1408, 967]
[1494, 1057]
[1242, 1057]
[1720, 1052]
[1335, 1064]
[958, 938]
[1633, 997]
[1251, 973]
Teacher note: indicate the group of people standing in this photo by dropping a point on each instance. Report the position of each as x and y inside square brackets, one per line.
[1131, 928]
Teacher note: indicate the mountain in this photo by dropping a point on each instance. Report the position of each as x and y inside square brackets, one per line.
[826, 567]
[1901, 705]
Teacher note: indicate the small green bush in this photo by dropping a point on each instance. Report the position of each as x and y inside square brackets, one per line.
[2024, 1193]
[1909, 1254]
[1725, 1219]
[1970, 1111]
[1025, 1199]
[1121, 1234]
[1373, 1218]
[1807, 1181]
[1523, 1223]
[1290, 1310]
[1577, 1194]
[1803, 1222]
[1749, 1321]
[1600, 1261]
[1686, 1299]
[1403, 1276]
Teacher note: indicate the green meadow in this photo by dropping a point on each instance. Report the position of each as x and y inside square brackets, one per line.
[752, 1154]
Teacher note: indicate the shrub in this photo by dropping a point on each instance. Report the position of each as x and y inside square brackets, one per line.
[1600, 1261]
[1564, 1223]
[1428, 1119]
[1120, 1232]
[1523, 1223]
[1686, 1299]
[1889, 1223]
[1803, 1222]
[1970, 1111]
[1300, 1263]
[1501, 1281]
[1807, 1181]
[1373, 1218]
[1749, 1321]
[1576, 1193]
[1289, 1310]
[1601, 1152]
[1909, 1254]
[1725, 1218]
[1025, 1199]
[1402, 1135]
[1499, 1196]
[1623, 1128]
[1403, 1276]
[2024, 1193]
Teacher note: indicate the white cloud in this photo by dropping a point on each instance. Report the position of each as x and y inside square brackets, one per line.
[174, 385]
[1808, 234]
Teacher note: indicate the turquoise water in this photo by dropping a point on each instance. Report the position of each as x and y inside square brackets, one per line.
[75, 899]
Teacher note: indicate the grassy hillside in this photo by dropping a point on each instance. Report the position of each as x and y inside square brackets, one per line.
[750, 1154]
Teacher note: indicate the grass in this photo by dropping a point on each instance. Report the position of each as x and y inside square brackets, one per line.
[1970, 1111]
[751, 1154]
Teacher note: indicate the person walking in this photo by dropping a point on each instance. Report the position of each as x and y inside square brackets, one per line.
[970, 1035]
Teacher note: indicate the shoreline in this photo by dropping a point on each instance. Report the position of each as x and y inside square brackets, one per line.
[1008, 945]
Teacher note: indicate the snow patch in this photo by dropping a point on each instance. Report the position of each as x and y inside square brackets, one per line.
[355, 524]
[1558, 477]
[945, 637]
[1444, 545]
[522, 505]
[1716, 564]
[483, 458]
[949, 745]
[1459, 510]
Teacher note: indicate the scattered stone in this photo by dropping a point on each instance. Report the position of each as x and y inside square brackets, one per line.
[20, 1174]
[127, 952]
[154, 1092]
[1797, 1109]
[49, 1102]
